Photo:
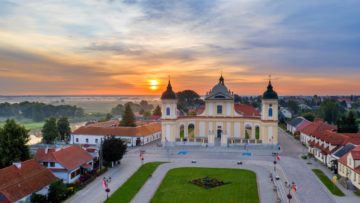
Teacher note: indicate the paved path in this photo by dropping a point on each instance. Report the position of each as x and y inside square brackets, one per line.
[261, 168]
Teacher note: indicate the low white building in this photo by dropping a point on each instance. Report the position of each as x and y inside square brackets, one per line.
[66, 163]
[285, 112]
[133, 136]
[349, 166]
[19, 181]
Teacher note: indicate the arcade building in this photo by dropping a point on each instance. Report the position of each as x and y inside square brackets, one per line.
[222, 122]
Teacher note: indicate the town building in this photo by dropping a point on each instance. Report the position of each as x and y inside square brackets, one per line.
[349, 166]
[285, 112]
[315, 128]
[222, 122]
[294, 124]
[66, 163]
[142, 134]
[20, 180]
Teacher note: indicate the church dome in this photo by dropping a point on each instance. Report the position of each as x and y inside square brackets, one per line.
[270, 93]
[169, 93]
[219, 91]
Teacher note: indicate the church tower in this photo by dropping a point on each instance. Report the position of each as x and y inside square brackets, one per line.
[269, 115]
[168, 115]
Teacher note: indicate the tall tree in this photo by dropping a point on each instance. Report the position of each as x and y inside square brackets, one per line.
[157, 111]
[128, 119]
[50, 131]
[64, 129]
[293, 106]
[330, 111]
[347, 124]
[118, 110]
[113, 149]
[13, 139]
[187, 99]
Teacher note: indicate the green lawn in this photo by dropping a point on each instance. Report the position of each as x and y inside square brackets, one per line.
[176, 187]
[129, 189]
[327, 182]
[28, 124]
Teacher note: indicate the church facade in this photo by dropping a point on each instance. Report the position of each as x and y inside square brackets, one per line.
[222, 122]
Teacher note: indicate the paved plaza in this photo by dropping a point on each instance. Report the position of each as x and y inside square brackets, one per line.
[255, 158]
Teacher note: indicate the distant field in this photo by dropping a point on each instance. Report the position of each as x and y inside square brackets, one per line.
[27, 124]
[95, 106]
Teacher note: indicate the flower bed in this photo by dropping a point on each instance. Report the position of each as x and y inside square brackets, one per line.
[208, 182]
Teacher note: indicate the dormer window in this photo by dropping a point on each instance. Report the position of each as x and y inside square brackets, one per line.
[168, 111]
[219, 109]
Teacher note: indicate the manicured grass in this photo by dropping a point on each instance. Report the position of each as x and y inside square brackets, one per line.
[327, 182]
[129, 189]
[177, 188]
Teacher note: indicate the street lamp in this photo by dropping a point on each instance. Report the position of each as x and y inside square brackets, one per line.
[290, 186]
[106, 181]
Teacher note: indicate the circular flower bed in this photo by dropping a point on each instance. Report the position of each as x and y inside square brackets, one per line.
[208, 182]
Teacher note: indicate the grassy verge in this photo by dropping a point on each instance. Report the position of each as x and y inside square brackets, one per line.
[283, 126]
[176, 187]
[327, 182]
[128, 190]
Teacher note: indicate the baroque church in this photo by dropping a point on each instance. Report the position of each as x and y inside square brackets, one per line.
[222, 122]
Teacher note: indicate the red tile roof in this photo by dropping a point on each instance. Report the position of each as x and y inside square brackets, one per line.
[16, 183]
[303, 125]
[69, 157]
[355, 153]
[343, 159]
[246, 110]
[317, 128]
[138, 131]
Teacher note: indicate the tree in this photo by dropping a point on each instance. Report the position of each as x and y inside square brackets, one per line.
[13, 139]
[187, 99]
[309, 116]
[330, 111]
[113, 149]
[128, 119]
[293, 106]
[64, 129]
[157, 111]
[118, 110]
[50, 131]
[347, 124]
[146, 106]
[57, 192]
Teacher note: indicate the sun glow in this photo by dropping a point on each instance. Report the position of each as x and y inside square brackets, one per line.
[154, 84]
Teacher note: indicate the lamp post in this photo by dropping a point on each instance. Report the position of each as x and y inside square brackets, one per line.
[106, 182]
[289, 186]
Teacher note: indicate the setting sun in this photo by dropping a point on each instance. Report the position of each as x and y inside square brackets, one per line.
[154, 84]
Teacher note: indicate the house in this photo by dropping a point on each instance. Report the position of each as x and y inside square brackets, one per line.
[133, 136]
[20, 180]
[349, 166]
[316, 127]
[66, 163]
[285, 112]
[338, 154]
[293, 125]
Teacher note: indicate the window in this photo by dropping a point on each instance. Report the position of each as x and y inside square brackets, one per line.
[96, 140]
[168, 111]
[73, 174]
[52, 164]
[219, 109]
[77, 140]
[45, 164]
[270, 112]
[87, 140]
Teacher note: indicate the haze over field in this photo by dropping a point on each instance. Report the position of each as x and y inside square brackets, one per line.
[129, 47]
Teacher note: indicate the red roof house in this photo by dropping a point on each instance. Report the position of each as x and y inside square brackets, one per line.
[21, 180]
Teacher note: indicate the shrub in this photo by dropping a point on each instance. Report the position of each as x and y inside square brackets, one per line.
[37, 198]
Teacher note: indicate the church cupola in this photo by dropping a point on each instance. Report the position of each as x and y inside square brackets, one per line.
[270, 93]
[169, 93]
[219, 91]
[221, 80]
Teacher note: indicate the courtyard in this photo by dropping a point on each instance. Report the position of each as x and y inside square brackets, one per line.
[239, 186]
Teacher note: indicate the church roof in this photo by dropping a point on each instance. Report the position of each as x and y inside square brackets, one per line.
[169, 93]
[270, 93]
[219, 92]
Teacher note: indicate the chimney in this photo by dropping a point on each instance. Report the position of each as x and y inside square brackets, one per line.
[17, 164]
[46, 150]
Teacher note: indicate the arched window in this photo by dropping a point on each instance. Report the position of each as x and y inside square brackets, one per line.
[219, 109]
[270, 112]
[168, 111]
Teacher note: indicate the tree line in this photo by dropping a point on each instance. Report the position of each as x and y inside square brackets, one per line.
[38, 111]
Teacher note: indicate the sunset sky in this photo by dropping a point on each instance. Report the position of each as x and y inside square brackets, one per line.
[56, 47]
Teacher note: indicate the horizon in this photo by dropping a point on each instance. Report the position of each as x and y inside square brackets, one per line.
[132, 47]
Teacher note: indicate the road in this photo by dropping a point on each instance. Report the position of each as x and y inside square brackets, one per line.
[291, 168]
